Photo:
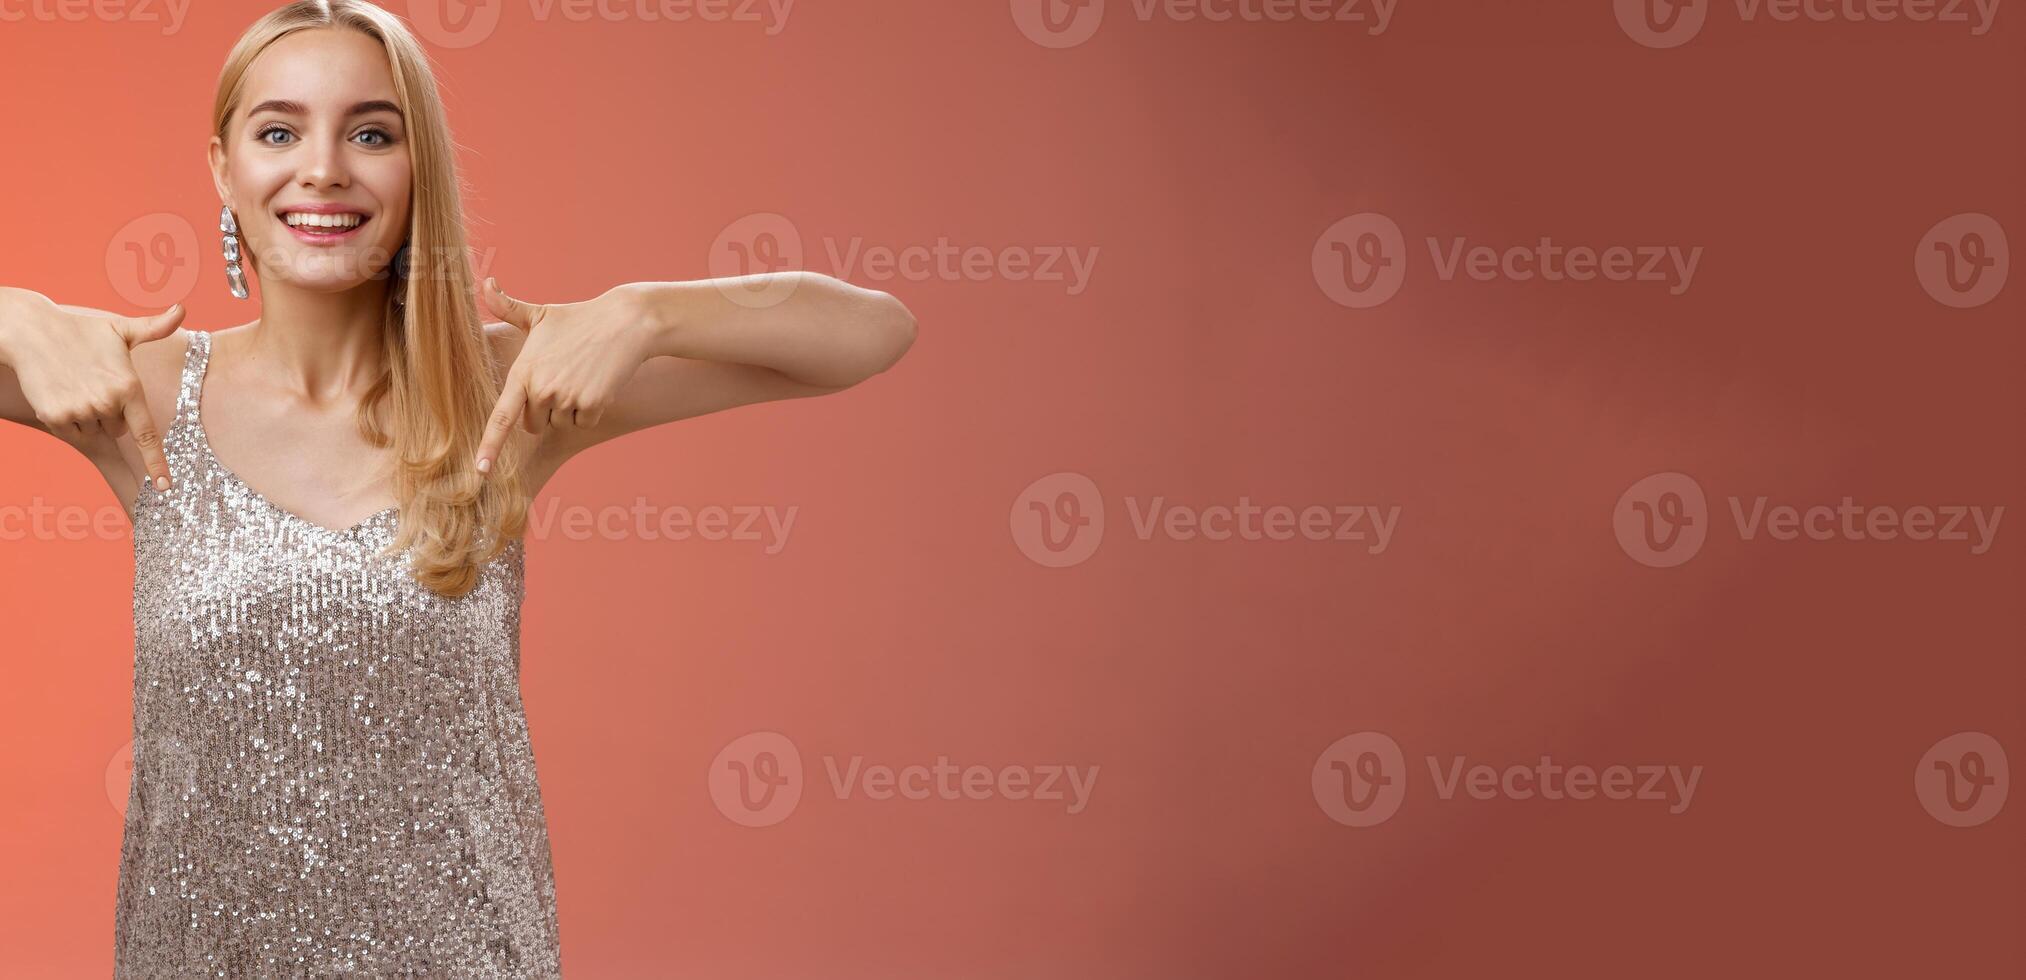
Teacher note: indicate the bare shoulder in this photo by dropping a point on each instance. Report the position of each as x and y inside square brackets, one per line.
[155, 355]
[159, 364]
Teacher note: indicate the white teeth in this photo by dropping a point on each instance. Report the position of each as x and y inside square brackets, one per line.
[300, 219]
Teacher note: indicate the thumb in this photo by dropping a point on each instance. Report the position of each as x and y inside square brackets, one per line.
[141, 330]
[521, 315]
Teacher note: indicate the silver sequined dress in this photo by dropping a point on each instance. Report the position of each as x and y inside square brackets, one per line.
[332, 771]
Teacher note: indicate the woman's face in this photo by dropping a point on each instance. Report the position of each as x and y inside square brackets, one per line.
[318, 140]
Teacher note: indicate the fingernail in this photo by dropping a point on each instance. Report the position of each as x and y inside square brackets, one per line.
[491, 283]
[161, 484]
[484, 465]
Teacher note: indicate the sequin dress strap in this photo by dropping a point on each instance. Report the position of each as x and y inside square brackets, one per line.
[195, 362]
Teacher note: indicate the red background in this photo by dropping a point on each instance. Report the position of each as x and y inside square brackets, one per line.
[902, 622]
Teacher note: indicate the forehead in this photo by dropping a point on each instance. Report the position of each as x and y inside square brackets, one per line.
[322, 68]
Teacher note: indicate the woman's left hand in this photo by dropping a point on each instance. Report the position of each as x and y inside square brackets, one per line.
[575, 360]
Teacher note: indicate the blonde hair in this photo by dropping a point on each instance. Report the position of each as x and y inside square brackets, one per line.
[440, 383]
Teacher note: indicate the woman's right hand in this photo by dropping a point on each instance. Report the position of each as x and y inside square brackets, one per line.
[77, 372]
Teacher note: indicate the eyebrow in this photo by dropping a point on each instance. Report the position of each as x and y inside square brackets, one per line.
[297, 108]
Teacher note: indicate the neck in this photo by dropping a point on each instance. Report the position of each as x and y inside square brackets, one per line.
[325, 346]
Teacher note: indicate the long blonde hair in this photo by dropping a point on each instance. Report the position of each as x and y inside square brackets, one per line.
[440, 382]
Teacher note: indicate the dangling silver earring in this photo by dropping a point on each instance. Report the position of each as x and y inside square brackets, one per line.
[234, 276]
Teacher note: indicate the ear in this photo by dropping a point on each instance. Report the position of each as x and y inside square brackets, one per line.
[218, 171]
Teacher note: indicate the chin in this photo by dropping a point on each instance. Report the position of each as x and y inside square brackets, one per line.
[328, 285]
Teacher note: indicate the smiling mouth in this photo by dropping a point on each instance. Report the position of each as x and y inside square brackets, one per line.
[323, 227]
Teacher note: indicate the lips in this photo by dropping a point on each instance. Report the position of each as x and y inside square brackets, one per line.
[323, 225]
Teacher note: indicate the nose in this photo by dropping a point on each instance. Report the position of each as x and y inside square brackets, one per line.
[324, 165]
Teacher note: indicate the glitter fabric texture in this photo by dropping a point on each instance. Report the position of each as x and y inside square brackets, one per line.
[332, 771]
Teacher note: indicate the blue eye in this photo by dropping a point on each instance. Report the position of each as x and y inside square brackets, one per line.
[382, 137]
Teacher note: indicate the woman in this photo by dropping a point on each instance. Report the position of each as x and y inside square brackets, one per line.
[332, 772]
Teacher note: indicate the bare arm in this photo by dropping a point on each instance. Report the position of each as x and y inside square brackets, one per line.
[645, 354]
